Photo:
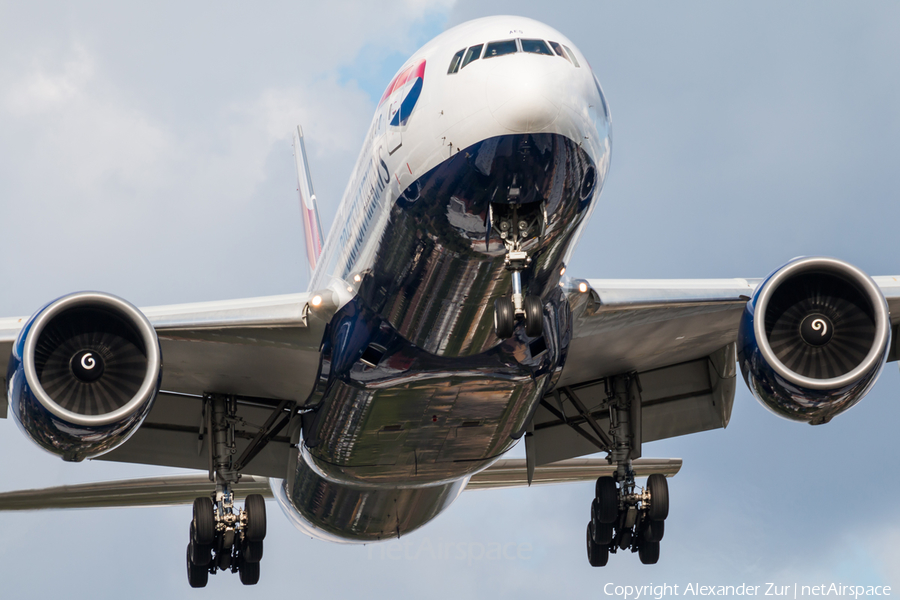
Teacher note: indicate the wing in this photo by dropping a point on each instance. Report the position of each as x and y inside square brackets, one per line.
[9, 331]
[678, 336]
[263, 350]
[183, 489]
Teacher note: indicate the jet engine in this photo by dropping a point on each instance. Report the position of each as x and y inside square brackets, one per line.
[813, 339]
[84, 373]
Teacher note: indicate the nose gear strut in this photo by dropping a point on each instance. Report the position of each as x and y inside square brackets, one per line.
[514, 229]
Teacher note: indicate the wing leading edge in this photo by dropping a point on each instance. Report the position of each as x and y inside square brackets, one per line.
[265, 351]
[677, 336]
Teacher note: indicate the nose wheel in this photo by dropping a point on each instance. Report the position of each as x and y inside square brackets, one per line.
[505, 316]
[528, 308]
[515, 224]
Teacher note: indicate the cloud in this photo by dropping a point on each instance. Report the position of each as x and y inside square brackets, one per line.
[157, 136]
[152, 147]
[77, 132]
[41, 90]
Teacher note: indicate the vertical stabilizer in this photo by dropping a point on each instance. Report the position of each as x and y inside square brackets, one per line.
[312, 228]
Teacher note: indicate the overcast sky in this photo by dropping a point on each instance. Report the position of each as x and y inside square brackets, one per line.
[146, 152]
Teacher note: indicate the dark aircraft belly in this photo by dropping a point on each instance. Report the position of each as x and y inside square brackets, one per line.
[342, 512]
[416, 392]
[418, 419]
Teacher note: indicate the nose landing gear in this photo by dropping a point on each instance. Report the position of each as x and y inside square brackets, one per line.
[508, 310]
[514, 229]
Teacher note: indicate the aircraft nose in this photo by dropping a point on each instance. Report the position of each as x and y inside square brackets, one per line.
[523, 93]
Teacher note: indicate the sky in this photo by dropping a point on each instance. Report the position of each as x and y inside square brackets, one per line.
[145, 151]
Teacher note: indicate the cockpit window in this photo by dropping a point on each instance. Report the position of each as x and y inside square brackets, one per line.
[536, 47]
[454, 62]
[559, 50]
[500, 48]
[474, 53]
[572, 56]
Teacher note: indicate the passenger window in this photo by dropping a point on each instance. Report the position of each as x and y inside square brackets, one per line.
[500, 48]
[558, 49]
[474, 53]
[572, 56]
[536, 47]
[454, 62]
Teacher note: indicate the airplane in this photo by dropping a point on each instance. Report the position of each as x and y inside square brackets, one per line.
[438, 330]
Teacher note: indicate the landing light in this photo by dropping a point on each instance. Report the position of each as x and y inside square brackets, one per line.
[357, 278]
[562, 271]
[582, 287]
[316, 300]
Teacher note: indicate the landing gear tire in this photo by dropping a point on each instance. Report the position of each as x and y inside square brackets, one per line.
[534, 316]
[255, 506]
[603, 533]
[201, 554]
[198, 576]
[654, 531]
[605, 508]
[504, 317]
[659, 497]
[252, 551]
[249, 573]
[598, 555]
[203, 525]
[648, 552]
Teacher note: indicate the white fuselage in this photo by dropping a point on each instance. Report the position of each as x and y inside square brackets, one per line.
[488, 97]
[498, 121]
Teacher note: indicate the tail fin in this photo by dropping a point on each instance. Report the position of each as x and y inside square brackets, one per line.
[312, 228]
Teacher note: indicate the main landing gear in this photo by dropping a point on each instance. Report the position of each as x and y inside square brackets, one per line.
[224, 537]
[514, 228]
[623, 519]
[624, 516]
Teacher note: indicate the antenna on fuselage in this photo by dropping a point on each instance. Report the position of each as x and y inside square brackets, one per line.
[312, 227]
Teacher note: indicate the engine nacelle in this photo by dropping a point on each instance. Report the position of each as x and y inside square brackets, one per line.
[83, 375]
[813, 339]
